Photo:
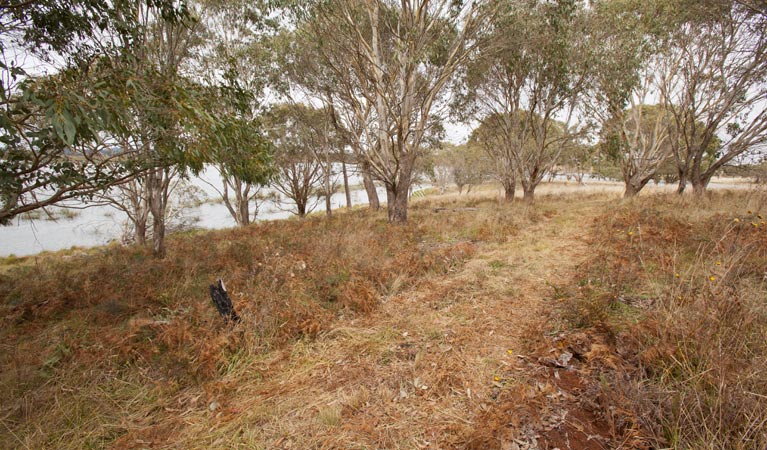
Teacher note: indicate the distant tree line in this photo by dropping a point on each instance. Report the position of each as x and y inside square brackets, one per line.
[115, 101]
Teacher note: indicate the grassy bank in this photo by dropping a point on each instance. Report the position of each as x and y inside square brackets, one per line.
[99, 346]
[581, 322]
[667, 322]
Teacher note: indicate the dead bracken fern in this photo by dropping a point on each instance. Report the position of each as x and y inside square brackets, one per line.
[111, 344]
[678, 288]
[490, 327]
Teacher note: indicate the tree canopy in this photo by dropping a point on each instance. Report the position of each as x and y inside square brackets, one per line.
[97, 94]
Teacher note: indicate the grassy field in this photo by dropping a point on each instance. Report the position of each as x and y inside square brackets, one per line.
[583, 322]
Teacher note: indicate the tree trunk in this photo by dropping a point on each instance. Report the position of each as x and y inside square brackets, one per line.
[138, 196]
[233, 209]
[508, 190]
[301, 208]
[699, 186]
[244, 219]
[633, 186]
[370, 189]
[397, 193]
[346, 181]
[328, 193]
[682, 183]
[140, 231]
[159, 181]
[396, 204]
[530, 180]
[698, 179]
[630, 191]
[529, 195]
[243, 211]
[158, 235]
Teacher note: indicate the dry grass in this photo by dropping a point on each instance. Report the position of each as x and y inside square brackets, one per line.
[676, 289]
[355, 334]
[111, 348]
[101, 344]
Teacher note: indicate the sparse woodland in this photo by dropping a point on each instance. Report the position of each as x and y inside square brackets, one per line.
[575, 314]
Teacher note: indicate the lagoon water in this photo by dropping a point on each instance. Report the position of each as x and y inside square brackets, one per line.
[99, 225]
[102, 224]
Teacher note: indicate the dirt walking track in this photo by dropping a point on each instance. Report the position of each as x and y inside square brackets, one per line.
[427, 368]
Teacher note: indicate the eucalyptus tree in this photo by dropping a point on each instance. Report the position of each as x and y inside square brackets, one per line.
[199, 119]
[244, 158]
[578, 160]
[529, 75]
[465, 165]
[330, 149]
[316, 82]
[399, 57]
[63, 95]
[639, 142]
[166, 123]
[469, 166]
[298, 134]
[237, 61]
[162, 131]
[714, 84]
[492, 142]
[524, 159]
[318, 65]
[626, 56]
[440, 172]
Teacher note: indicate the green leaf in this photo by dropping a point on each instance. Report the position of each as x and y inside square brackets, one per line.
[70, 129]
[58, 126]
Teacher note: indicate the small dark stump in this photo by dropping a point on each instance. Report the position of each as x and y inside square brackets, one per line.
[223, 302]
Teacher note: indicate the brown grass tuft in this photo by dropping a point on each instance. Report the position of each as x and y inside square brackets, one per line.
[677, 288]
[477, 325]
[111, 344]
